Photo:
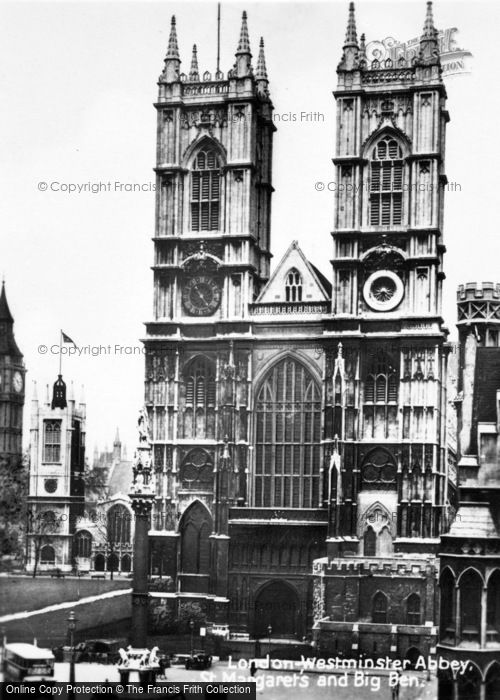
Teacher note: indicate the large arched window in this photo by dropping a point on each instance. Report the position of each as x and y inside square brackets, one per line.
[205, 191]
[52, 441]
[493, 608]
[287, 450]
[293, 285]
[379, 611]
[381, 396]
[196, 527]
[447, 607]
[118, 525]
[83, 544]
[413, 609]
[470, 587]
[370, 543]
[47, 554]
[199, 398]
[386, 183]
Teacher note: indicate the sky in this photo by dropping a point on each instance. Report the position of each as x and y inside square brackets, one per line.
[78, 81]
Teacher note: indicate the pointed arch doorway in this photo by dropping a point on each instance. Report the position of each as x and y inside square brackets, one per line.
[277, 605]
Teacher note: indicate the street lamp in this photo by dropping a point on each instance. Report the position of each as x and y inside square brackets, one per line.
[269, 633]
[72, 627]
[191, 627]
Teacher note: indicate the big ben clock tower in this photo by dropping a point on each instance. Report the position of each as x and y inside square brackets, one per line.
[12, 373]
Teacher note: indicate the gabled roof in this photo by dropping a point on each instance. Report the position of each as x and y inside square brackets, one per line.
[315, 286]
[120, 478]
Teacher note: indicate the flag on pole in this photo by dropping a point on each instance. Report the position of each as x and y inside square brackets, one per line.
[66, 338]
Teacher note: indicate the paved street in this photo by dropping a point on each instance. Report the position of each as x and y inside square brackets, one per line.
[280, 685]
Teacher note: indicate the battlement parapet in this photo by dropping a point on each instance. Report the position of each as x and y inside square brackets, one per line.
[380, 567]
[478, 290]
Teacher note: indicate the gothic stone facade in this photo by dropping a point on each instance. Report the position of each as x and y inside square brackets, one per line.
[470, 552]
[296, 416]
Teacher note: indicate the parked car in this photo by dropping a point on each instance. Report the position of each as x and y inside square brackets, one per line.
[199, 660]
[104, 651]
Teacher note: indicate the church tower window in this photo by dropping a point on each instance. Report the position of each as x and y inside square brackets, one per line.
[200, 396]
[288, 415]
[118, 531]
[381, 384]
[293, 286]
[205, 191]
[386, 183]
[52, 441]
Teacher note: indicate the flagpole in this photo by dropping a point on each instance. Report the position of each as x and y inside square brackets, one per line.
[60, 351]
[218, 39]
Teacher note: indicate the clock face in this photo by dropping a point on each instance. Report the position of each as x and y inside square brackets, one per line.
[383, 290]
[17, 382]
[201, 295]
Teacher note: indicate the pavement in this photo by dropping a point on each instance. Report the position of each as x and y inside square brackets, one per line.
[281, 685]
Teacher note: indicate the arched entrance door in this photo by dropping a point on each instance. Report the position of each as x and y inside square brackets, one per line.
[412, 655]
[277, 605]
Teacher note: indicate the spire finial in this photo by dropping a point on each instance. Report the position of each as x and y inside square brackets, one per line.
[173, 48]
[362, 47]
[429, 29]
[172, 66]
[429, 47]
[244, 42]
[243, 66]
[350, 53]
[194, 73]
[261, 70]
[351, 37]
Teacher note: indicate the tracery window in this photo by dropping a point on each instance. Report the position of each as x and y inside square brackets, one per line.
[52, 441]
[118, 525]
[205, 191]
[293, 286]
[288, 420]
[196, 527]
[386, 183]
[381, 380]
[199, 398]
[196, 471]
[83, 544]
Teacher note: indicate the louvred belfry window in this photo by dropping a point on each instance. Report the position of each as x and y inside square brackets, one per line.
[386, 183]
[288, 420]
[205, 192]
[381, 385]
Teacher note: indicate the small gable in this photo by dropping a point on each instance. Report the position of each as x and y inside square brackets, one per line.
[294, 280]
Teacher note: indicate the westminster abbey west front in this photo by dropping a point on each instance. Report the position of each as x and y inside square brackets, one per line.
[298, 419]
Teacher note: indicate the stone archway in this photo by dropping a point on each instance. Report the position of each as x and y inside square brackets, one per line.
[277, 604]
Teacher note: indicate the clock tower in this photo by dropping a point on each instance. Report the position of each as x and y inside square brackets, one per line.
[12, 373]
[213, 204]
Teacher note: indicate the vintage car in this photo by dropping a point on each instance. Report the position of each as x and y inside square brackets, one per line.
[198, 660]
